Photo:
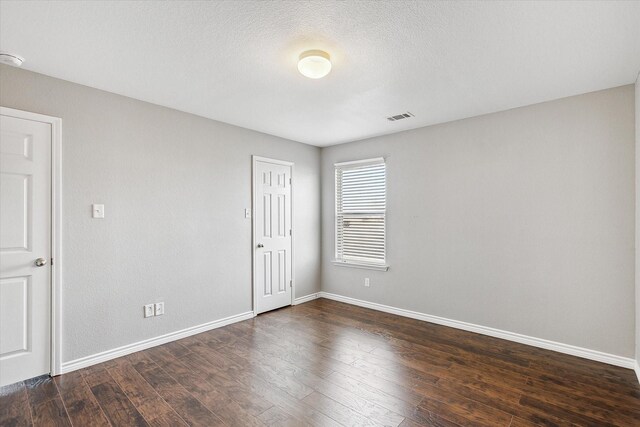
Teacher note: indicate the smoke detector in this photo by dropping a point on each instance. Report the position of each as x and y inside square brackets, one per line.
[11, 59]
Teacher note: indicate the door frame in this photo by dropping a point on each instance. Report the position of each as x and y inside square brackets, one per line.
[56, 230]
[254, 160]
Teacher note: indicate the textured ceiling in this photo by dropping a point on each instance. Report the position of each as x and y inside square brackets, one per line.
[236, 61]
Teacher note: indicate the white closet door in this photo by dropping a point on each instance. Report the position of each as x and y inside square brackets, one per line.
[25, 249]
[272, 236]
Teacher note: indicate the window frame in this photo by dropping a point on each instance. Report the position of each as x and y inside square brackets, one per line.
[341, 262]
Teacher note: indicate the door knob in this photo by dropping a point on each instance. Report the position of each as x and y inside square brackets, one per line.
[260, 245]
[40, 262]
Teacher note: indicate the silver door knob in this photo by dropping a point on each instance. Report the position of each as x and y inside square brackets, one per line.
[40, 262]
[260, 245]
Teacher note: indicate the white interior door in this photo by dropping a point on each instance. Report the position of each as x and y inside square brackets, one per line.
[25, 248]
[272, 235]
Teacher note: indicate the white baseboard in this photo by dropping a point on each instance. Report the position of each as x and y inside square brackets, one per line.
[585, 353]
[93, 359]
[104, 356]
[306, 298]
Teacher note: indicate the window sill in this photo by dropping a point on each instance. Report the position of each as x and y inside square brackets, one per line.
[378, 267]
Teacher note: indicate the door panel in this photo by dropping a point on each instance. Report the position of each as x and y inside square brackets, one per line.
[273, 269]
[15, 212]
[25, 235]
[14, 309]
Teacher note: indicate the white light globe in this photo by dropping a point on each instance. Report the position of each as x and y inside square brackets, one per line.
[314, 64]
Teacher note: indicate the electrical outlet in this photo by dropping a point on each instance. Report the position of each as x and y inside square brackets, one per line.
[366, 282]
[97, 211]
[159, 308]
[148, 310]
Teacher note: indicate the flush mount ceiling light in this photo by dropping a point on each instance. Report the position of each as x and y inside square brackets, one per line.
[314, 64]
[11, 59]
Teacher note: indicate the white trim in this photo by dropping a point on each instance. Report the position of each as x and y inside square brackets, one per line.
[366, 266]
[274, 161]
[306, 298]
[56, 229]
[636, 368]
[586, 353]
[359, 162]
[93, 359]
[254, 160]
[293, 234]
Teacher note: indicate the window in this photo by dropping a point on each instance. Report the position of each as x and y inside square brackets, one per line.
[360, 213]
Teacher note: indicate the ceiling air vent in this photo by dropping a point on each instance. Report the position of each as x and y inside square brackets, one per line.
[400, 116]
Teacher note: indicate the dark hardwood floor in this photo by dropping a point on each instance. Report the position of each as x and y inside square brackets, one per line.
[328, 364]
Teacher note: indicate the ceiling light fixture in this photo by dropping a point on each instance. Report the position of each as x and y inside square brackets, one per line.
[314, 64]
[11, 59]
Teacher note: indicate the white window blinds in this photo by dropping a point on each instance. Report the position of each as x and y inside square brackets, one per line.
[360, 211]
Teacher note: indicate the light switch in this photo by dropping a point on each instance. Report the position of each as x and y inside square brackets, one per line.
[98, 211]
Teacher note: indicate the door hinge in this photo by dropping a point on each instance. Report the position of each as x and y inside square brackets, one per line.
[51, 261]
[290, 181]
[289, 232]
[291, 283]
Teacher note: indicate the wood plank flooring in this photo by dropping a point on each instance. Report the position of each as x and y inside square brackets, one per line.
[325, 363]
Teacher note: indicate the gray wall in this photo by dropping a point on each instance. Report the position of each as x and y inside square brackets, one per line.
[637, 88]
[174, 187]
[521, 220]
